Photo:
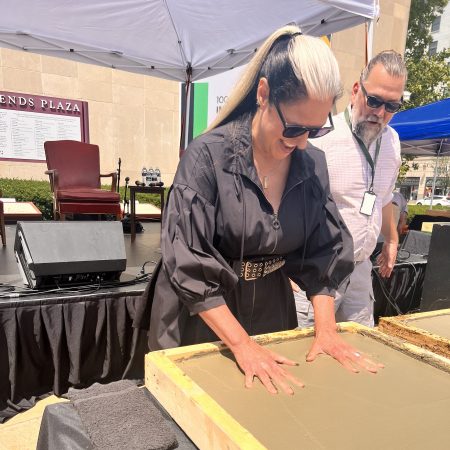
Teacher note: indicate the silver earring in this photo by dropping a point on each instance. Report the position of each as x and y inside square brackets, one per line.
[257, 104]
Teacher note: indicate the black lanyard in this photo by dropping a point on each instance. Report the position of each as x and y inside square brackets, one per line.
[363, 147]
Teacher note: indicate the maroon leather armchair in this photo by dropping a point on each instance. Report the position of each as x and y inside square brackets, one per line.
[74, 171]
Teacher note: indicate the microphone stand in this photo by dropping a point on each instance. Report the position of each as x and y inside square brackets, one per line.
[118, 175]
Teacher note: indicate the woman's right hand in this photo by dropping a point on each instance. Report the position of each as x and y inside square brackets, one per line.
[253, 359]
[258, 361]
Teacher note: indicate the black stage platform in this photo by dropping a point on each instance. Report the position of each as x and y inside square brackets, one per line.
[50, 341]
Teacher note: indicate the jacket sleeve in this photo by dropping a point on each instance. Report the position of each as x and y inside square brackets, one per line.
[329, 254]
[328, 258]
[197, 271]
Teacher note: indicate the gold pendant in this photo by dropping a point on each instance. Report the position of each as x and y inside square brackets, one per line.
[265, 182]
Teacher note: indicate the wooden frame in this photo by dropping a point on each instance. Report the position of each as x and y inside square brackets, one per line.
[214, 428]
[401, 327]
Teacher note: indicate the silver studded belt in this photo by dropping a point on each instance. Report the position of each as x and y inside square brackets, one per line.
[260, 267]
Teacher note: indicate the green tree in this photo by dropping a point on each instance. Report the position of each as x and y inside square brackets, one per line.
[421, 16]
[428, 76]
[443, 173]
[428, 79]
[407, 163]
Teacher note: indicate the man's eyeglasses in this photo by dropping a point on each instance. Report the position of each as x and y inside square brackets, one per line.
[375, 102]
[293, 131]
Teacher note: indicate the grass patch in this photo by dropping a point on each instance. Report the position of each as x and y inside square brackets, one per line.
[422, 209]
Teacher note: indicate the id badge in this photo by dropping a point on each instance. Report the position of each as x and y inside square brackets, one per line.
[368, 203]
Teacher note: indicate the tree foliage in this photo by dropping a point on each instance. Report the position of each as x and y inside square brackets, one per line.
[407, 164]
[421, 16]
[428, 79]
[428, 76]
[443, 172]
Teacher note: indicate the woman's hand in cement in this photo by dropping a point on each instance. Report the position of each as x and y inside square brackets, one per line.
[253, 359]
[331, 343]
[328, 340]
[258, 361]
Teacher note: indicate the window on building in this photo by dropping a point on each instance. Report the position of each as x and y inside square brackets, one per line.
[432, 49]
[436, 25]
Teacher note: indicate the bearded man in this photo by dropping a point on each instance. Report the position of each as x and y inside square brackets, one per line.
[363, 158]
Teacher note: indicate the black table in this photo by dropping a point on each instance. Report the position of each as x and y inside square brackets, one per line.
[142, 190]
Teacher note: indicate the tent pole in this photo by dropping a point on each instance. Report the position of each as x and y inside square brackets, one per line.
[184, 132]
[369, 40]
[188, 113]
[435, 173]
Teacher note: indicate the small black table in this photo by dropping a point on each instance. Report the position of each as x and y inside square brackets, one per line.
[143, 190]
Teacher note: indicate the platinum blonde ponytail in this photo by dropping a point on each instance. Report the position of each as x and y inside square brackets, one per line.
[311, 60]
[314, 63]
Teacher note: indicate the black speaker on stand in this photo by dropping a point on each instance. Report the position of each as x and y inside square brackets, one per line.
[59, 254]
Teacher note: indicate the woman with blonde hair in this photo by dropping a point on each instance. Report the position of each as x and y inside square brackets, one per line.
[249, 209]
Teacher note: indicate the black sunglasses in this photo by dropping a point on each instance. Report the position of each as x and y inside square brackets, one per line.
[375, 102]
[293, 131]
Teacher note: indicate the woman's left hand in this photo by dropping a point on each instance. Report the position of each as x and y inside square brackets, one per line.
[329, 342]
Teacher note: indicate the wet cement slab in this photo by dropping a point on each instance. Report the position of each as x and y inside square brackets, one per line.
[439, 325]
[405, 406]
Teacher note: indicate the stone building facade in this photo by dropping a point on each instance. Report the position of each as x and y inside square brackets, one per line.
[136, 117]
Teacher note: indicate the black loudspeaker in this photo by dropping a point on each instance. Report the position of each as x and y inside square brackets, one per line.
[436, 284]
[59, 254]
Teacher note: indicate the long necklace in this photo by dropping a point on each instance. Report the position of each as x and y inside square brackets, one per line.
[265, 178]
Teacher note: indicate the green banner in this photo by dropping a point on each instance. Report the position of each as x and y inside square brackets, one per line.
[200, 92]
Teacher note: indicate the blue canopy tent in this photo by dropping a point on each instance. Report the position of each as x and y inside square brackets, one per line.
[425, 131]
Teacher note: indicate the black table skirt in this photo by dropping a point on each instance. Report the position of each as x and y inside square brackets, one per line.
[48, 345]
[403, 289]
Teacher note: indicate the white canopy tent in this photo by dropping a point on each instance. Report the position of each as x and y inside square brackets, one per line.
[181, 40]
